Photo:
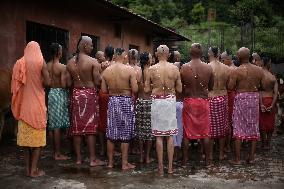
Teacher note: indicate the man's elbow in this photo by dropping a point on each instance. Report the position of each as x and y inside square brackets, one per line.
[135, 89]
[179, 89]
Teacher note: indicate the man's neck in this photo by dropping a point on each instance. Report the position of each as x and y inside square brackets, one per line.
[163, 61]
[119, 61]
[55, 60]
[215, 61]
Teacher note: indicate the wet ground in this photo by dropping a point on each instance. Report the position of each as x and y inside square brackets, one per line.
[268, 172]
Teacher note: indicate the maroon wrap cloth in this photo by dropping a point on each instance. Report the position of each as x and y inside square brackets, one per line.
[267, 119]
[196, 118]
[85, 111]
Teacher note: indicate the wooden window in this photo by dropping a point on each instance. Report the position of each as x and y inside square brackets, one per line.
[45, 35]
[96, 43]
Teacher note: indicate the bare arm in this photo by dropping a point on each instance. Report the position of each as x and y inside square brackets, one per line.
[232, 80]
[178, 83]
[96, 74]
[63, 77]
[133, 82]
[104, 86]
[147, 87]
[275, 94]
[211, 81]
[45, 75]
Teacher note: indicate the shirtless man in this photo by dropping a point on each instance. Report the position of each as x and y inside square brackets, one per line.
[197, 79]
[164, 81]
[103, 98]
[85, 73]
[119, 81]
[256, 60]
[226, 58]
[133, 57]
[58, 115]
[267, 103]
[100, 56]
[143, 128]
[246, 79]
[177, 57]
[218, 102]
[109, 51]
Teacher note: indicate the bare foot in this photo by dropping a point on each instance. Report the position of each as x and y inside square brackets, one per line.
[222, 157]
[79, 162]
[61, 157]
[170, 171]
[128, 166]
[160, 171]
[184, 162]
[235, 163]
[150, 160]
[97, 162]
[250, 160]
[110, 165]
[37, 173]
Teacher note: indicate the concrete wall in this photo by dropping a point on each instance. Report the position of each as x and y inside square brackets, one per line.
[76, 19]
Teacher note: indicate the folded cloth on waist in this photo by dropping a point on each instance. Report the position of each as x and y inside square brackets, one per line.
[219, 116]
[103, 102]
[196, 121]
[246, 116]
[121, 119]
[58, 115]
[163, 115]
[267, 119]
[178, 138]
[143, 128]
[85, 111]
[28, 136]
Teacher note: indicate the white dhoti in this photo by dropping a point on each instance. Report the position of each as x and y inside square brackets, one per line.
[163, 116]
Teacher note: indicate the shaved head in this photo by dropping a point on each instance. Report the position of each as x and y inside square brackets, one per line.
[177, 56]
[195, 50]
[243, 54]
[85, 45]
[163, 52]
[100, 56]
[133, 54]
[224, 55]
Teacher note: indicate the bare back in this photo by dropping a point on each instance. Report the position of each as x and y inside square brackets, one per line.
[221, 78]
[57, 74]
[119, 79]
[141, 85]
[247, 78]
[268, 83]
[165, 79]
[85, 72]
[197, 79]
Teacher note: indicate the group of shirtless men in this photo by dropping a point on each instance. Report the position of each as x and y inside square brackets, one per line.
[123, 96]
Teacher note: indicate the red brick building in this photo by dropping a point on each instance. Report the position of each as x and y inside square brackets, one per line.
[65, 21]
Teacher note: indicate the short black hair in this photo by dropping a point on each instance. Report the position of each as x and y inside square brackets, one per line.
[109, 51]
[144, 59]
[54, 50]
[119, 51]
[215, 51]
[265, 60]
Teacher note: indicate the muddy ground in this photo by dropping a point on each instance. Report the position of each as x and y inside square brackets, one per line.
[267, 173]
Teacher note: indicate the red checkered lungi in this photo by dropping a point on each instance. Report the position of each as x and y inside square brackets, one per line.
[219, 116]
